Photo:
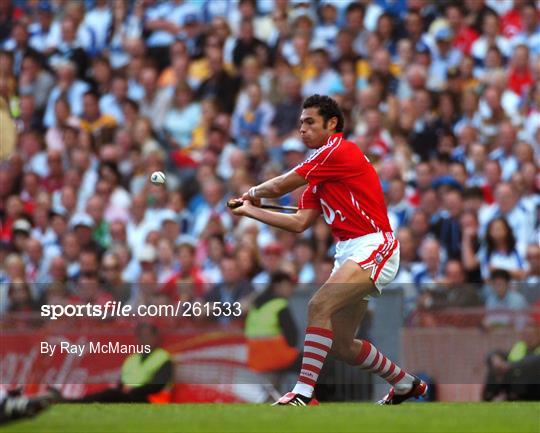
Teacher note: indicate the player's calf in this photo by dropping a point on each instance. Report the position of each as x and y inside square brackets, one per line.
[344, 351]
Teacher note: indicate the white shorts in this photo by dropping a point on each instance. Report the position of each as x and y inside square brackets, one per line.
[376, 251]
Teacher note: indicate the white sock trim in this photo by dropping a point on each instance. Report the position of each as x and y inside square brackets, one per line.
[304, 389]
[319, 339]
[311, 361]
[371, 356]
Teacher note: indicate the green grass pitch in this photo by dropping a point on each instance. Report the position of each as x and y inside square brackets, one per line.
[336, 417]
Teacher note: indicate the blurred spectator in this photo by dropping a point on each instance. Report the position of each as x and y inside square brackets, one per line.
[111, 102]
[288, 109]
[213, 208]
[490, 36]
[20, 297]
[183, 117]
[219, 85]
[112, 278]
[92, 120]
[234, 287]
[57, 272]
[499, 251]
[155, 102]
[324, 76]
[270, 328]
[19, 45]
[533, 264]
[502, 301]
[215, 252]
[95, 208]
[252, 119]
[69, 48]
[271, 262]
[88, 290]
[508, 205]
[529, 33]
[455, 292]
[464, 36]
[67, 85]
[188, 283]
[429, 271]
[513, 375]
[89, 261]
[36, 81]
[144, 377]
[447, 227]
[247, 44]
[35, 263]
[520, 77]
[303, 255]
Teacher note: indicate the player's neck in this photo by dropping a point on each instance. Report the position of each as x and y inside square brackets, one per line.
[332, 135]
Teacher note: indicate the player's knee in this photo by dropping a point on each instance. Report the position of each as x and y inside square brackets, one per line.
[318, 308]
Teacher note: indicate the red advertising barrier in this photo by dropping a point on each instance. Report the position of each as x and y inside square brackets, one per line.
[209, 365]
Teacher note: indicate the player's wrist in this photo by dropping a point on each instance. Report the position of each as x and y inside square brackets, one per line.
[252, 193]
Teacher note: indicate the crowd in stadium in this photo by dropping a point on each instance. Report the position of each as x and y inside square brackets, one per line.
[443, 97]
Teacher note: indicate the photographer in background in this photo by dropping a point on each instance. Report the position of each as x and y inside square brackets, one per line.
[270, 329]
[515, 375]
[144, 377]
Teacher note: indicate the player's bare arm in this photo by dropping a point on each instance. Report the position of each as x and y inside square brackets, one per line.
[297, 222]
[275, 187]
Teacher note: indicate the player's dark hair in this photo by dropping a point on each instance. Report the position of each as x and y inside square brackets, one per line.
[328, 108]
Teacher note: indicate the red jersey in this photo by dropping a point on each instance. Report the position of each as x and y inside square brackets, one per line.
[464, 39]
[520, 82]
[345, 186]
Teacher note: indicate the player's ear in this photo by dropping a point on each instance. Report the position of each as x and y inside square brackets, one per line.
[332, 123]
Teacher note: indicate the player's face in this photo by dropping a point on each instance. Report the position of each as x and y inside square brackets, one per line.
[313, 132]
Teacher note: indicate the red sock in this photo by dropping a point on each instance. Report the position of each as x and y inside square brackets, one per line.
[372, 360]
[316, 346]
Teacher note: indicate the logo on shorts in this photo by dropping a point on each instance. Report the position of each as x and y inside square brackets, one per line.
[378, 258]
